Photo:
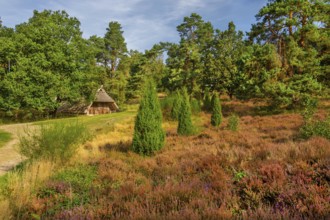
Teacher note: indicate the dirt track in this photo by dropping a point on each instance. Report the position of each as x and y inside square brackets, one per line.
[9, 157]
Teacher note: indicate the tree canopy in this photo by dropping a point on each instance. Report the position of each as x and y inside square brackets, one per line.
[284, 59]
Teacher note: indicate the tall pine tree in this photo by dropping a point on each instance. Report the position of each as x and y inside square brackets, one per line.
[148, 133]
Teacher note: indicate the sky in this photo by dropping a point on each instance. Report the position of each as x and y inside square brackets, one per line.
[144, 22]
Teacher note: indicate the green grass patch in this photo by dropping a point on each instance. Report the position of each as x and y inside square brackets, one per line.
[71, 187]
[5, 137]
[97, 123]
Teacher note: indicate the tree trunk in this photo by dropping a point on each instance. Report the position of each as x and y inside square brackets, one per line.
[303, 32]
[290, 25]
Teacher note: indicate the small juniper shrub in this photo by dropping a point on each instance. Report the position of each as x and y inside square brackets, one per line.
[149, 135]
[195, 106]
[233, 122]
[316, 128]
[176, 106]
[185, 126]
[207, 101]
[166, 105]
[216, 117]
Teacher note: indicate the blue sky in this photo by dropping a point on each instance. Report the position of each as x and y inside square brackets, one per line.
[144, 22]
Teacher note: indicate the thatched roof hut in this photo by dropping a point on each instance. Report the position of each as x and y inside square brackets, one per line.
[102, 104]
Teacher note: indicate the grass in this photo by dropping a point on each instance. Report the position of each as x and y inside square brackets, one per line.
[5, 137]
[97, 123]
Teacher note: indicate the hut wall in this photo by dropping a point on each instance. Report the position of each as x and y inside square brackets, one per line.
[99, 108]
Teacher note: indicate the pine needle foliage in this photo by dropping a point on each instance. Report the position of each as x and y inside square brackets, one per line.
[207, 101]
[216, 117]
[149, 135]
[185, 126]
[176, 106]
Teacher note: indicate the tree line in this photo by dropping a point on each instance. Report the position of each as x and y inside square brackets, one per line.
[283, 59]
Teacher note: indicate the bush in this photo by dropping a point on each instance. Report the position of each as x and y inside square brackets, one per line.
[185, 126]
[149, 135]
[233, 122]
[316, 128]
[176, 106]
[58, 141]
[207, 101]
[195, 106]
[216, 117]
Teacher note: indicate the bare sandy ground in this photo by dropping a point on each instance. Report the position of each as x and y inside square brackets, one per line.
[9, 157]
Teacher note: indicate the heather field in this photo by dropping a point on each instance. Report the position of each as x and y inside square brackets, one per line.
[264, 170]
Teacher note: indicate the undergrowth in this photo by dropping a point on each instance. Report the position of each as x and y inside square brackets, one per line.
[58, 141]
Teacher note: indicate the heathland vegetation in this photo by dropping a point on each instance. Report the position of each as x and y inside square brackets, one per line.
[229, 126]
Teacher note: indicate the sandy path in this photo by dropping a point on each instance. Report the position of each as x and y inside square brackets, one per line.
[9, 157]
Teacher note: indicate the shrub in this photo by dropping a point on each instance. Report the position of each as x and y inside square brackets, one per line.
[176, 106]
[148, 132]
[233, 122]
[195, 106]
[216, 117]
[185, 126]
[207, 101]
[317, 128]
[58, 141]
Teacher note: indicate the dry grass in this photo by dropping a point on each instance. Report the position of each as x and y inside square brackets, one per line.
[22, 186]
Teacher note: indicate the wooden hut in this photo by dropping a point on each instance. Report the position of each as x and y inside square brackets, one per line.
[103, 104]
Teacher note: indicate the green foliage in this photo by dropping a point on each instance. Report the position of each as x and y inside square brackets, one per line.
[148, 133]
[58, 141]
[175, 111]
[68, 188]
[292, 93]
[233, 122]
[309, 110]
[195, 105]
[239, 175]
[185, 126]
[79, 177]
[216, 117]
[4, 137]
[207, 103]
[316, 128]
[187, 59]
[44, 70]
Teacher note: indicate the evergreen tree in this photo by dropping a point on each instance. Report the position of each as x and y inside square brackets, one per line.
[207, 100]
[185, 126]
[216, 117]
[176, 106]
[148, 133]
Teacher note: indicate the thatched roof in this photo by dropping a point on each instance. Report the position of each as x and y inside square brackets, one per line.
[72, 108]
[102, 96]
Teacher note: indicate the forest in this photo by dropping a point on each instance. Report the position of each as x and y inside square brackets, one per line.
[219, 125]
[283, 59]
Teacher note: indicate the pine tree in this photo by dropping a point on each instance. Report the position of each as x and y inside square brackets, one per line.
[148, 133]
[216, 117]
[207, 101]
[176, 106]
[185, 126]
